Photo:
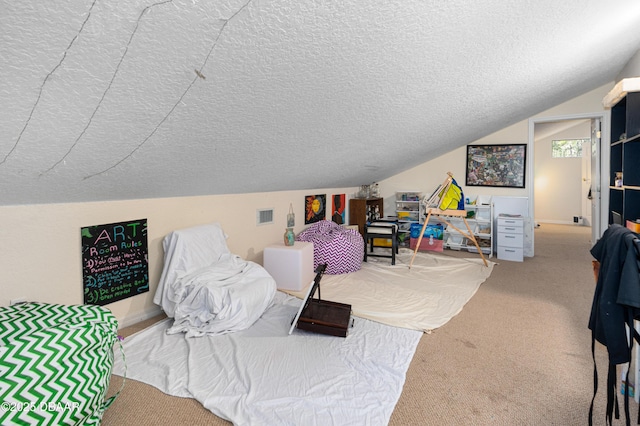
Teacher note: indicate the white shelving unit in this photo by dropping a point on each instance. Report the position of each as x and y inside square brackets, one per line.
[407, 213]
[480, 220]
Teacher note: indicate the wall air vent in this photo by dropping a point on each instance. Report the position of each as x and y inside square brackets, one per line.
[264, 216]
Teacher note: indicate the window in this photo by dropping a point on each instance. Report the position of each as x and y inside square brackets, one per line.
[567, 148]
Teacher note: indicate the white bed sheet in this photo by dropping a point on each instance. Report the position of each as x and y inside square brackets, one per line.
[207, 289]
[187, 250]
[264, 376]
[425, 297]
[224, 297]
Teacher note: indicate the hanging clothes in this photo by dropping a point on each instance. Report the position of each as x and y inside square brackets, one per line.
[616, 304]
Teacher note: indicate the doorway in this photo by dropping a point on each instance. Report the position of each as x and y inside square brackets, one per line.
[583, 178]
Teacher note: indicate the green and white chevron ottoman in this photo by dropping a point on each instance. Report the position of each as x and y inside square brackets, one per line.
[55, 363]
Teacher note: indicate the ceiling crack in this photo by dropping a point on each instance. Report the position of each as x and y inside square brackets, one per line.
[106, 91]
[44, 82]
[179, 101]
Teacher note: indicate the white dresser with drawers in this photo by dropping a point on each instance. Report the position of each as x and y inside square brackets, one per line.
[510, 237]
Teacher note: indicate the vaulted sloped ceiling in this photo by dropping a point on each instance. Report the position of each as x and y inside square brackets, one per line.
[122, 99]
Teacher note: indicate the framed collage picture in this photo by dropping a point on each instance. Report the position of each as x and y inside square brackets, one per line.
[496, 165]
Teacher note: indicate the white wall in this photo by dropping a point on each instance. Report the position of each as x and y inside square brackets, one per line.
[558, 181]
[40, 253]
[426, 177]
[632, 68]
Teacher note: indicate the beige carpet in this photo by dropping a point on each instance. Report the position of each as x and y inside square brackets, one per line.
[519, 353]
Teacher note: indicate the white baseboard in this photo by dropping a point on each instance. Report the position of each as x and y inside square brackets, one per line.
[558, 222]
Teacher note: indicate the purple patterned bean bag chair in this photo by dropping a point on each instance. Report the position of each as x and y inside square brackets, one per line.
[341, 249]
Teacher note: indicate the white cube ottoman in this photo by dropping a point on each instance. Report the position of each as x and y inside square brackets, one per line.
[290, 266]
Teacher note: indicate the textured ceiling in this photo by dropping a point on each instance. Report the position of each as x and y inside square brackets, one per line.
[109, 100]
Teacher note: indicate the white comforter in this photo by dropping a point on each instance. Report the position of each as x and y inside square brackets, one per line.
[226, 296]
[206, 288]
[263, 376]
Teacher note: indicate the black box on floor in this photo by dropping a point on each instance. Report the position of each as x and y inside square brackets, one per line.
[323, 316]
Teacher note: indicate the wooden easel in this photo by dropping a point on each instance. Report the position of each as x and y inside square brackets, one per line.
[431, 206]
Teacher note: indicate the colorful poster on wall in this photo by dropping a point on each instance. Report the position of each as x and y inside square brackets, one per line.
[315, 208]
[497, 165]
[338, 209]
[114, 261]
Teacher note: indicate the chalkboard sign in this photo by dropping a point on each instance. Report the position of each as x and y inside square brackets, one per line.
[114, 261]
